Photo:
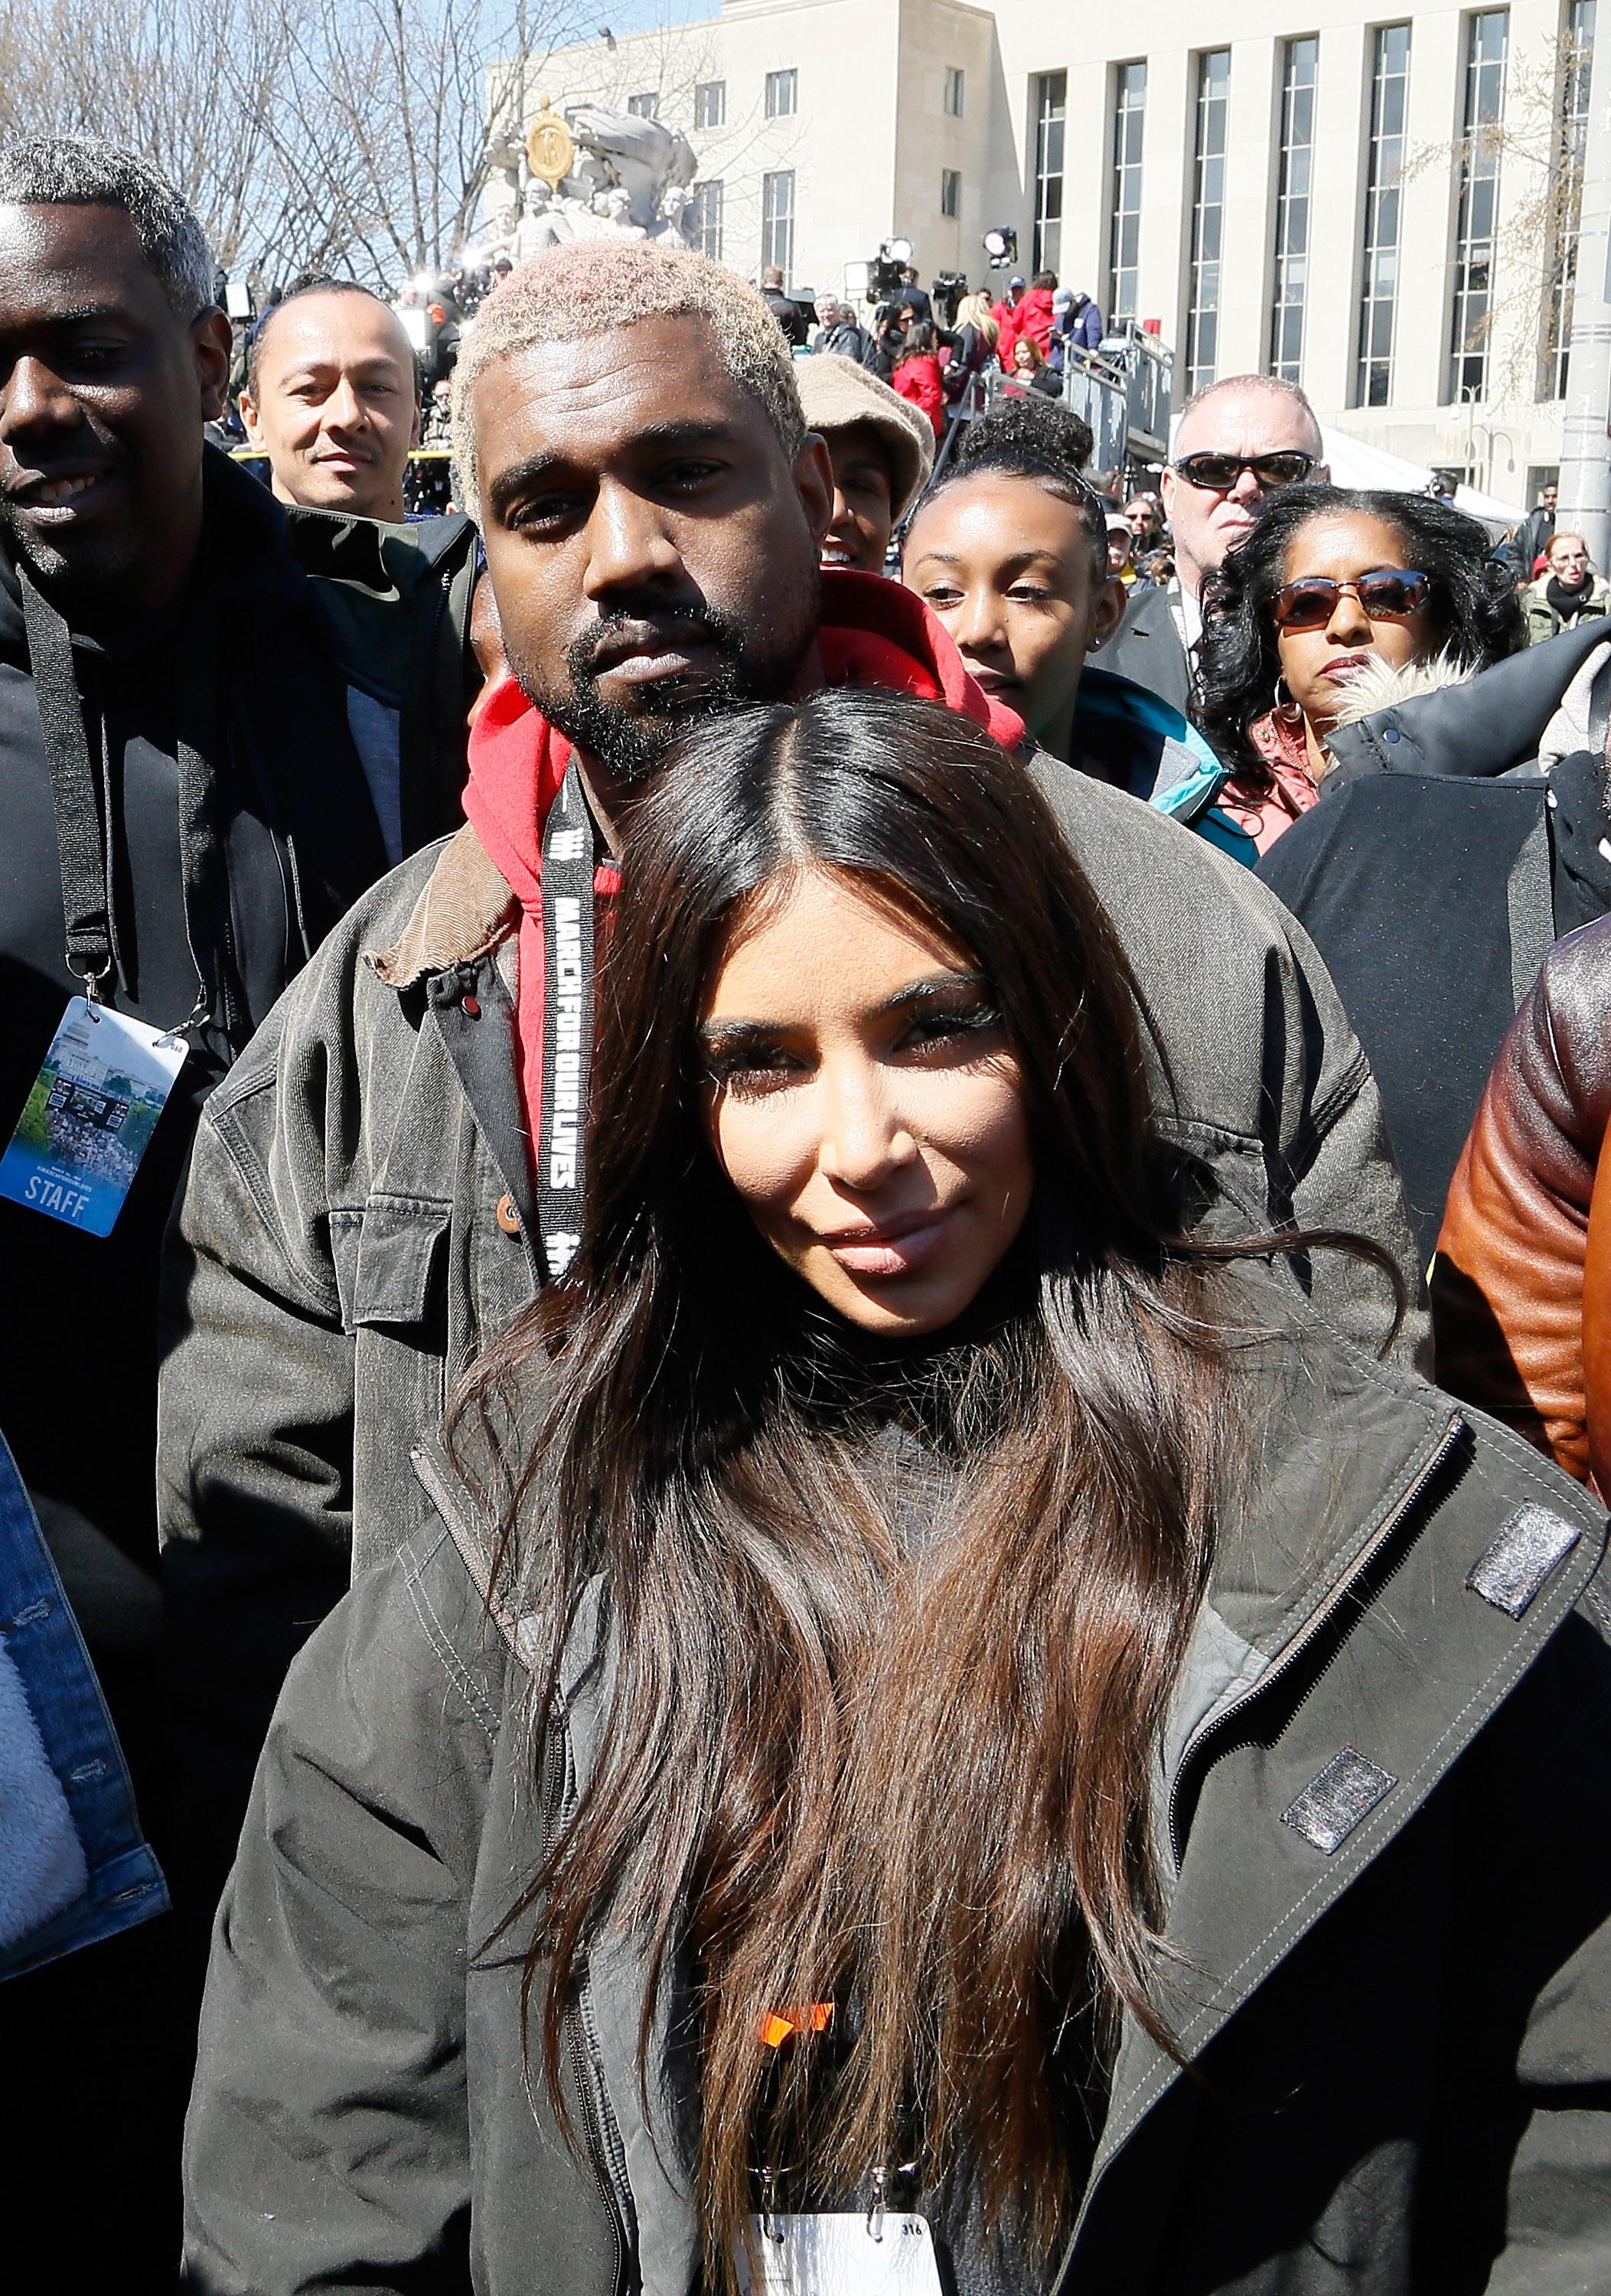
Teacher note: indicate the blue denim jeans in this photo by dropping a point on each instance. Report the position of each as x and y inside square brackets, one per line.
[43, 1640]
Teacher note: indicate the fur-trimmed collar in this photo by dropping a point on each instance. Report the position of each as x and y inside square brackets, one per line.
[1379, 685]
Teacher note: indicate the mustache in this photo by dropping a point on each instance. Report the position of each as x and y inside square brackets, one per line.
[697, 619]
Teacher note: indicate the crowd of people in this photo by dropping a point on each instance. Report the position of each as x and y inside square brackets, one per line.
[1029, 334]
[757, 1540]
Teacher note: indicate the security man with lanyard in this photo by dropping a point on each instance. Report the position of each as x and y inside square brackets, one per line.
[186, 817]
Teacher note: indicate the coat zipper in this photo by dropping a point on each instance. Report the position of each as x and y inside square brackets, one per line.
[606, 2155]
[1287, 1658]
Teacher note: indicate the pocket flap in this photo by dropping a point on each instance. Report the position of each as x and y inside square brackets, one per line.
[384, 1259]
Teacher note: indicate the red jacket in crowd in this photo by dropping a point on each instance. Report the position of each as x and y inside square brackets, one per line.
[1006, 316]
[1033, 317]
[918, 378]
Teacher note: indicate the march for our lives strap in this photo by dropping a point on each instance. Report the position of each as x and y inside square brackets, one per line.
[870, 2254]
[90, 1118]
[568, 863]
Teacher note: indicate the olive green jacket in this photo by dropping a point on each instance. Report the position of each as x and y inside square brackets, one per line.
[1385, 1817]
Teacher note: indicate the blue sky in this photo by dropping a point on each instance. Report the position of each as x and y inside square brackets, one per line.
[641, 15]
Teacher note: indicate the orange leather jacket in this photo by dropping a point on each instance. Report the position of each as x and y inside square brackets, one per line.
[1521, 1289]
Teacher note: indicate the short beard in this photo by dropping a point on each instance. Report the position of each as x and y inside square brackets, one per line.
[629, 745]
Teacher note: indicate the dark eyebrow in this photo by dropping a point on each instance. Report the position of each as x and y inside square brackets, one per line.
[663, 437]
[515, 476]
[81, 315]
[932, 984]
[712, 1033]
[657, 437]
[1019, 559]
[365, 369]
[916, 992]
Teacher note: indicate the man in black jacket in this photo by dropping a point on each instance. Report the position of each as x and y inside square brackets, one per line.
[185, 814]
[783, 307]
[1458, 833]
[329, 397]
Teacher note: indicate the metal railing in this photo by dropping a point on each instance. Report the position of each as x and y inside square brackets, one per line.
[1124, 390]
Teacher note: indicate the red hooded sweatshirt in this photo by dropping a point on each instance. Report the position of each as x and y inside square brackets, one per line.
[871, 633]
[1006, 316]
[1033, 317]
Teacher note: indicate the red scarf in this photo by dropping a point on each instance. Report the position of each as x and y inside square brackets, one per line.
[871, 633]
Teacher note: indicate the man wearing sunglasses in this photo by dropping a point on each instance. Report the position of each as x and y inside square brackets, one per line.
[1236, 443]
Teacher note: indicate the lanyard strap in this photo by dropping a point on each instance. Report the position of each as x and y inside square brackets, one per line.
[85, 902]
[569, 851]
[80, 844]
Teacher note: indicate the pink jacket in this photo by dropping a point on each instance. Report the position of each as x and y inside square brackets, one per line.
[1264, 815]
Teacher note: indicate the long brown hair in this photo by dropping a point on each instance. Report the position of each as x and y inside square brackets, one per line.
[917, 1785]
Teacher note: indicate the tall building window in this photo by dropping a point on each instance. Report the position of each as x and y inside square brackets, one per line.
[1384, 163]
[1567, 192]
[1487, 37]
[783, 95]
[646, 106]
[1207, 218]
[1124, 227]
[777, 220]
[710, 103]
[955, 90]
[1051, 106]
[701, 222]
[950, 191]
[1299, 63]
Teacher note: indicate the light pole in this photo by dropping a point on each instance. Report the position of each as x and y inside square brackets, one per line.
[1583, 504]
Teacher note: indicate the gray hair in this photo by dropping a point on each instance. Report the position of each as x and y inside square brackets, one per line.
[80, 171]
[1269, 385]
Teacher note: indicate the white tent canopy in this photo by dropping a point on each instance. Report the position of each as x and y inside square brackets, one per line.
[1354, 463]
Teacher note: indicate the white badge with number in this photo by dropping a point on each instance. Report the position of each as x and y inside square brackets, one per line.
[840, 2256]
[89, 1117]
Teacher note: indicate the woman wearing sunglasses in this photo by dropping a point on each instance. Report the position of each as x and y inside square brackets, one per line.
[1334, 597]
[942, 1732]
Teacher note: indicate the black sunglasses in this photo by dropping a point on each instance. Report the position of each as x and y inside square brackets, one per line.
[1388, 594]
[1217, 473]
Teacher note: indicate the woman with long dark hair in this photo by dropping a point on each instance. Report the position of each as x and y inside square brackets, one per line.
[1338, 596]
[939, 1739]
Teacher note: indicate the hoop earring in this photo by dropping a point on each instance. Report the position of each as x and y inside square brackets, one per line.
[1286, 707]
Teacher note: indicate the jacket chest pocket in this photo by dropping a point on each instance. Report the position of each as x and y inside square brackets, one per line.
[386, 1258]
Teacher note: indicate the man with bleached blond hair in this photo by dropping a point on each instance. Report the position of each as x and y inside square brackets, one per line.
[397, 1162]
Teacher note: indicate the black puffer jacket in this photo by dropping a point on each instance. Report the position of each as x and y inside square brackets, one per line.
[1457, 835]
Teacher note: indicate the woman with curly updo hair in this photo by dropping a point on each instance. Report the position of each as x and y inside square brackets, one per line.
[1333, 595]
